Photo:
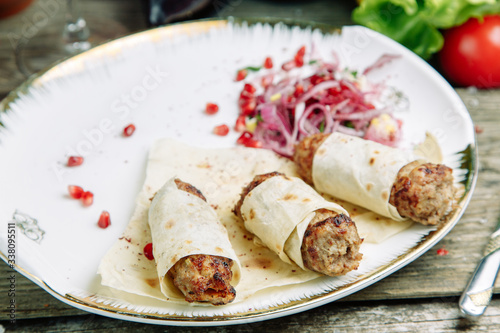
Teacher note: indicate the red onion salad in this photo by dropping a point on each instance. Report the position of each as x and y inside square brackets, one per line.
[279, 107]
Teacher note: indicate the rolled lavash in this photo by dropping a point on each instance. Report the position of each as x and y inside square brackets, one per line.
[182, 224]
[359, 171]
[278, 212]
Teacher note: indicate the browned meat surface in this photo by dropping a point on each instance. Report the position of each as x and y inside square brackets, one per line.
[257, 180]
[204, 278]
[186, 187]
[331, 244]
[304, 154]
[423, 192]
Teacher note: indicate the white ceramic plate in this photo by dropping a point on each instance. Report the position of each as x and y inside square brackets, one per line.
[160, 80]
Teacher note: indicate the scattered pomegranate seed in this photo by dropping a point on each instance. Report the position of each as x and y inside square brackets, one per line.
[249, 88]
[75, 191]
[241, 75]
[104, 220]
[478, 129]
[221, 130]
[211, 108]
[248, 107]
[299, 90]
[253, 144]
[245, 96]
[301, 52]
[148, 251]
[129, 130]
[87, 198]
[268, 63]
[244, 137]
[442, 252]
[74, 161]
[299, 57]
[299, 62]
[240, 125]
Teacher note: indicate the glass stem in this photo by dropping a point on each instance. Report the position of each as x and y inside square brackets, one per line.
[76, 32]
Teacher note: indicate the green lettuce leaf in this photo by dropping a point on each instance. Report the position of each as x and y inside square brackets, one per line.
[417, 24]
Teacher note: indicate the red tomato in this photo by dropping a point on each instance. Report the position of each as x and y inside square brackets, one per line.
[471, 53]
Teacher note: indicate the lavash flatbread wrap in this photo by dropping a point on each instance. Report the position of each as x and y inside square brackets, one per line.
[125, 272]
[191, 246]
[388, 181]
[299, 225]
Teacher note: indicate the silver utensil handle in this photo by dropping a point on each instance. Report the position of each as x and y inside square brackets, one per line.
[477, 294]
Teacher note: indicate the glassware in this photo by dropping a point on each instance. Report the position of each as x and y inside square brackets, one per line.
[65, 34]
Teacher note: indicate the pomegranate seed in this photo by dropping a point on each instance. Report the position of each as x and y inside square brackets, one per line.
[249, 88]
[87, 198]
[301, 52]
[148, 251]
[211, 108]
[248, 107]
[74, 161]
[240, 124]
[241, 75]
[104, 220]
[268, 63]
[75, 191]
[245, 96]
[129, 130]
[299, 57]
[244, 138]
[221, 130]
[442, 252]
[299, 90]
[253, 144]
[299, 61]
[316, 79]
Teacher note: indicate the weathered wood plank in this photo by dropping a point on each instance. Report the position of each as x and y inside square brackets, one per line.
[437, 315]
[440, 277]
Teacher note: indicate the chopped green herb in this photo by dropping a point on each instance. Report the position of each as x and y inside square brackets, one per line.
[349, 124]
[354, 73]
[322, 126]
[312, 62]
[259, 117]
[253, 68]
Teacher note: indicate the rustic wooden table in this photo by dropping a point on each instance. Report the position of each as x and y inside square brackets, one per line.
[421, 297]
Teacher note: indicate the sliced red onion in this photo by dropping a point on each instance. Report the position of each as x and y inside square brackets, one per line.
[381, 62]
